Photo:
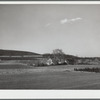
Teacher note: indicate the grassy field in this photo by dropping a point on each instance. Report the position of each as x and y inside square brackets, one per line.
[19, 76]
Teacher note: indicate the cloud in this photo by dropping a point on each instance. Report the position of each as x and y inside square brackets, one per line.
[76, 19]
[64, 21]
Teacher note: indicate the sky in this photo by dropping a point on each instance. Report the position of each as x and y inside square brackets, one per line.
[41, 28]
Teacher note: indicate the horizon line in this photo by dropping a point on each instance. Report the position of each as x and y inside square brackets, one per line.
[51, 53]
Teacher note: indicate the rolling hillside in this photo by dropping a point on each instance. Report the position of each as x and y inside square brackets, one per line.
[15, 53]
[18, 55]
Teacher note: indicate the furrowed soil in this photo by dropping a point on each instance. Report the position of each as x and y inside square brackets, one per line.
[19, 76]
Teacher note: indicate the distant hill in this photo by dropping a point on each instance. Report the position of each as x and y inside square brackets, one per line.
[15, 53]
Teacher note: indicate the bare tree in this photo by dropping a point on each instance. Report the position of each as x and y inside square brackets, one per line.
[59, 56]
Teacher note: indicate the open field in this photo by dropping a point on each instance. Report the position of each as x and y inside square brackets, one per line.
[19, 76]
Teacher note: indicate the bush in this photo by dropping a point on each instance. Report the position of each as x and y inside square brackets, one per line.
[97, 70]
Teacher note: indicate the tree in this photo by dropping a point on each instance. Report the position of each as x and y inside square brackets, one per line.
[58, 51]
[59, 56]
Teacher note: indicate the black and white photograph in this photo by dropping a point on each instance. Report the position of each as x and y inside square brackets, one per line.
[50, 46]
